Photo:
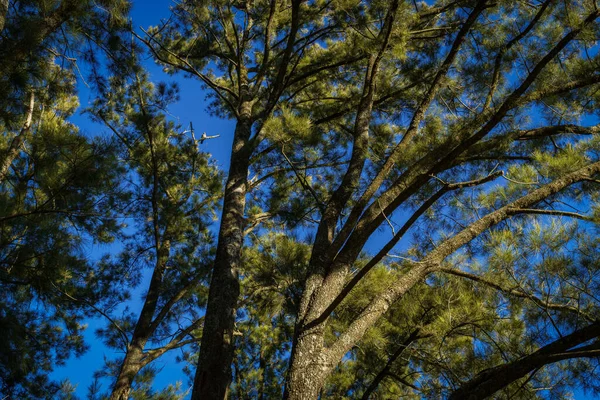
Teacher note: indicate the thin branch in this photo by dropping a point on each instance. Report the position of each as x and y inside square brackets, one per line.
[557, 213]
[187, 67]
[18, 141]
[177, 342]
[121, 331]
[304, 184]
[508, 46]
[517, 293]
[384, 251]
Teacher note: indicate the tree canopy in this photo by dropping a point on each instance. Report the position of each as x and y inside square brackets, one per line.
[410, 208]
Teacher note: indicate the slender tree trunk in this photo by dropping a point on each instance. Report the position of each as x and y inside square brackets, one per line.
[3, 13]
[263, 373]
[213, 374]
[130, 367]
[18, 141]
[133, 363]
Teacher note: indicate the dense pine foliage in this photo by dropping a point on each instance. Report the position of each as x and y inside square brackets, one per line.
[410, 209]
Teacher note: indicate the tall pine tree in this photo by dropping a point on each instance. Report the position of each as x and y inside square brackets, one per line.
[353, 117]
[174, 189]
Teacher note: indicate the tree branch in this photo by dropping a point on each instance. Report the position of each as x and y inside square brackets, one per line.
[491, 380]
[517, 293]
[18, 141]
[431, 263]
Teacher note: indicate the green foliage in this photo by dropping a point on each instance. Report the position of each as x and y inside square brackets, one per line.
[463, 139]
[174, 189]
[274, 268]
[58, 193]
[505, 292]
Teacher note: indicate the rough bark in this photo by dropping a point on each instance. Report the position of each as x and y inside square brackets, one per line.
[213, 374]
[131, 365]
[309, 367]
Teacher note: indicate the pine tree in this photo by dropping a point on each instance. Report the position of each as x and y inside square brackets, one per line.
[355, 116]
[174, 189]
[225, 36]
[56, 192]
[466, 124]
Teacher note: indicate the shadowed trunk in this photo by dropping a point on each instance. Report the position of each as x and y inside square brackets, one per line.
[133, 361]
[3, 13]
[213, 374]
[16, 145]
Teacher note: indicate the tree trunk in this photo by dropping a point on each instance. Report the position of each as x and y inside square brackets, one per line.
[18, 141]
[263, 373]
[3, 13]
[213, 374]
[309, 366]
[130, 367]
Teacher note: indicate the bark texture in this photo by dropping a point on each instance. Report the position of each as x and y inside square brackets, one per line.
[3, 13]
[132, 364]
[309, 368]
[213, 374]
